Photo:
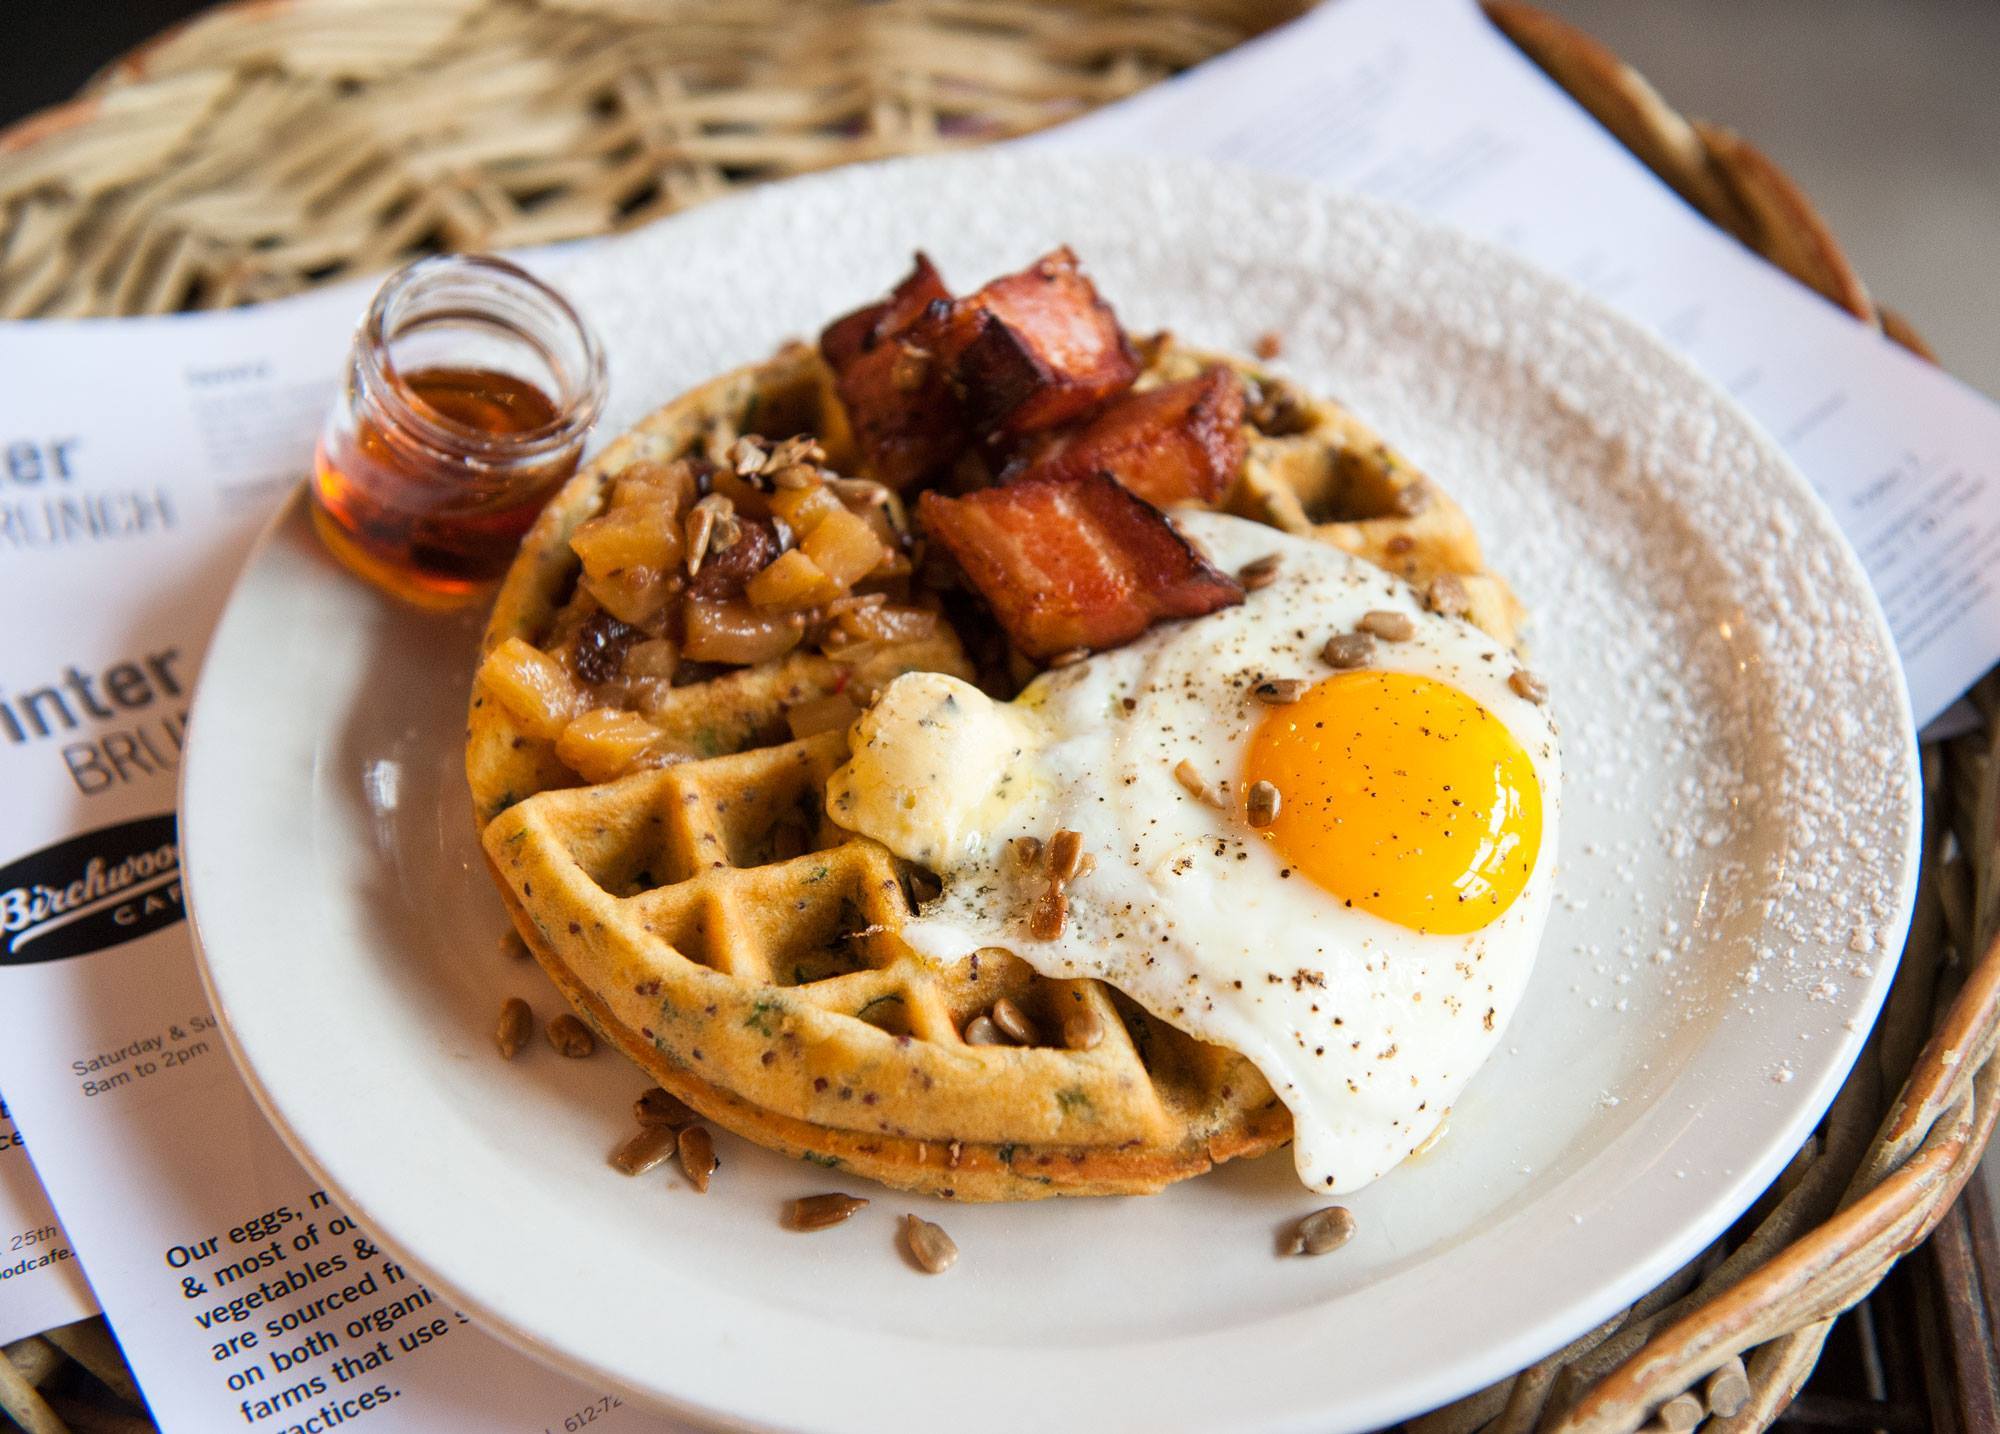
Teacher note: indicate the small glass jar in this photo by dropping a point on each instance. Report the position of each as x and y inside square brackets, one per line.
[470, 390]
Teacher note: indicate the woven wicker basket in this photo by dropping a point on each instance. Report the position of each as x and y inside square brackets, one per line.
[269, 146]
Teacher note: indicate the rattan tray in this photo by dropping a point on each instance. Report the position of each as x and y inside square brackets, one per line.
[269, 146]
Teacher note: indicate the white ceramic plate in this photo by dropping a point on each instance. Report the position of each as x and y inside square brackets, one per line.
[1741, 805]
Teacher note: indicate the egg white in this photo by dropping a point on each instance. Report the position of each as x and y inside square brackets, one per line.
[1367, 1030]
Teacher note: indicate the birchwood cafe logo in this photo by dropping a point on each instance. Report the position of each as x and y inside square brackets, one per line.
[91, 892]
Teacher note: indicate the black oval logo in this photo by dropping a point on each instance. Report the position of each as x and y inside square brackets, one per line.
[91, 892]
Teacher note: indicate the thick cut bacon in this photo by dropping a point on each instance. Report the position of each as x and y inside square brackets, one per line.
[1036, 348]
[1069, 563]
[892, 381]
[1180, 443]
[848, 337]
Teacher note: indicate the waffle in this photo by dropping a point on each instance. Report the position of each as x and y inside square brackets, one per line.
[710, 922]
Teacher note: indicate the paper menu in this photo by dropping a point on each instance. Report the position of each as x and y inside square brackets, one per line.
[41, 1285]
[243, 1297]
[1423, 103]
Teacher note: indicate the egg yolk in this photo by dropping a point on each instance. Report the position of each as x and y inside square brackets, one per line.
[1401, 796]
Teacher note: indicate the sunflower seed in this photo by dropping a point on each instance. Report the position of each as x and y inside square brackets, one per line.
[1064, 852]
[571, 1037]
[932, 1249]
[822, 1212]
[1261, 573]
[1083, 1028]
[1069, 657]
[1447, 596]
[516, 1021]
[1278, 691]
[644, 1150]
[1323, 1230]
[1192, 780]
[697, 1151]
[982, 1031]
[1348, 649]
[1728, 1389]
[747, 456]
[658, 1108]
[1014, 1022]
[1045, 922]
[1527, 684]
[696, 532]
[1387, 625]
[1262, 803]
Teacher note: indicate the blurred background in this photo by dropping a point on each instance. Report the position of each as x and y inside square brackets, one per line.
[1881, 109]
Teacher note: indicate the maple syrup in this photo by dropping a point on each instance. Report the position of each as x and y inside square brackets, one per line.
[471, 389]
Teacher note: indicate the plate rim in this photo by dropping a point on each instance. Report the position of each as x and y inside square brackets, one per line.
[1447, 1380]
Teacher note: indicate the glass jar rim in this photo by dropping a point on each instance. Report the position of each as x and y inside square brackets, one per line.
[576, 412]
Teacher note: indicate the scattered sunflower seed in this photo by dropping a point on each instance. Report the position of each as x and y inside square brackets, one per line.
[1387, 625]
[571, 1037]
[1261, 573]
[982, 1031]
[1323, 1230]
[1447, 596]
[696, 532]
[747, 456]
[1348, 649]
[1045, 922]
[822, 1212]
[1262, 804]
[1014, 1022]
[1278, 691]
[1083, 1028]
[1070, 657]
[932, 1249]
[516, 1021]
[644, 1150]
[1065, 850]
[1527, 684]
[1197, 787]
[658, 1108]
[697, 1152]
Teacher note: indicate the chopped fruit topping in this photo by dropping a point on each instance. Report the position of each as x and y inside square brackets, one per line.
[1081, 563]
[532, 685]
[605, 743]
[1182, 443]
[1036, 348]
[725, 570]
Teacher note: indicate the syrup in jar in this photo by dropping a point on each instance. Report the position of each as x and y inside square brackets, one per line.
[470, 391]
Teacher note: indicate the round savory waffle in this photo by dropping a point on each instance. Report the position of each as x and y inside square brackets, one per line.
[706, 917]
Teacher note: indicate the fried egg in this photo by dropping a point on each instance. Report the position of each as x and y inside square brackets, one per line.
[1364, 946]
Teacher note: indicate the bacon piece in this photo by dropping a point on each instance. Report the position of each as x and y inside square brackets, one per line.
[847, 338]
[1036, 348]
[1180, 443]
[1068, 563]
[892, 381]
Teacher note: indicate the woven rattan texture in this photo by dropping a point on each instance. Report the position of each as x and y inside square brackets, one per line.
[268, 147]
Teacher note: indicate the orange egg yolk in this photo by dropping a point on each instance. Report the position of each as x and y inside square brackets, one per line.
[1401, 796]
